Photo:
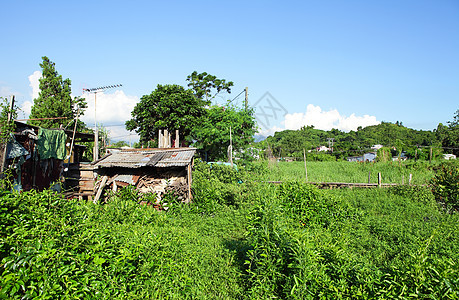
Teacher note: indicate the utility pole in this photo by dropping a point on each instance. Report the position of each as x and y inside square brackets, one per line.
[10, 116]
[96, 132]
[246, 98]
[230, 150]
[330, 143]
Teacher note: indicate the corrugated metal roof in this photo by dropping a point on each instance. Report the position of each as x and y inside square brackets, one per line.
[162, 158]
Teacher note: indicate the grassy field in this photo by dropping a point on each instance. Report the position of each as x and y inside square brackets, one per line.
[241, 239]
[352, 172]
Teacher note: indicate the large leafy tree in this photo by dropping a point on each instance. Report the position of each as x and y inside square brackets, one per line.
[207, 86]
[168, 107]
[54, 99]
[213, 133]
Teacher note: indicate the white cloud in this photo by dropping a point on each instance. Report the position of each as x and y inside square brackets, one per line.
[268, 131]
[113, 110]
[34, 83]
[324, 120]
[26, 108]
[327, 120]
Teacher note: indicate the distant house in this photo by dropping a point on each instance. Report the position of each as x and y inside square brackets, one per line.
[403, 157]
[322, 148]
[377, 147]
[449, 156]
[370, 156]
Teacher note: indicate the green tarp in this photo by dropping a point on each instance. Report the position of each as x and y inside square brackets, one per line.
[51, 144]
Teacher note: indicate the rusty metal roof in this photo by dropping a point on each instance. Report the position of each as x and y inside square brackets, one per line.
[136, 158]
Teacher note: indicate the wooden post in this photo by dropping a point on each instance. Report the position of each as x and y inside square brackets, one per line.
[379, 180]
[73, 136]
[160, 139]
[115, 187]
[411, 177]
[246, 98]
[101, 187]
[231, 149]
[430, 156]
[188, 169]
[403, 179]
[369, 177]
[169, 142]
[6, 142]
[177, 138]
[305, 167]
[166, 138]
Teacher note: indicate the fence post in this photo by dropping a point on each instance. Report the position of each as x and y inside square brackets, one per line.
[379, 180]
[305, 167]
[369, 177]
[411, 177]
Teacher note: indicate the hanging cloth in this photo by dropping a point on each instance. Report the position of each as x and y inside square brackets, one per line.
[51, 144]
[14, 149]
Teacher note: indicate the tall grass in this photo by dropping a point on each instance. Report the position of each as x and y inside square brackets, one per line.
[352, 172]
[242, 238]
[54, 248]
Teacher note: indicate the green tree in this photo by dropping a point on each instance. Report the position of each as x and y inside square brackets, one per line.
[7, 115]
[213, 133]
[54, 99]
[451, 138]
[168, 107]
[119, 144]
[206, 86]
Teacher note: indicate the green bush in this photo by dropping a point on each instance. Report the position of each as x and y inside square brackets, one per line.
[422, 194]
[216, 185]
[445, 186]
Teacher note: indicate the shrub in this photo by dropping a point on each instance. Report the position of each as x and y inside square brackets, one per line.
[216, 185]
[445, 186]
[421, 194]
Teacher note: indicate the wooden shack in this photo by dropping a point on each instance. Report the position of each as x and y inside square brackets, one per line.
[153, 170]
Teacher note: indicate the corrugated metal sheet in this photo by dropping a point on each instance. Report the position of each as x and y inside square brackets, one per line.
[162, 158]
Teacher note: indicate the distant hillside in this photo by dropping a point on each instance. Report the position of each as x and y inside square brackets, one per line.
[292, 142]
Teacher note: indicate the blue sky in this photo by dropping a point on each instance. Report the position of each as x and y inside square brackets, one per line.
[338, 64]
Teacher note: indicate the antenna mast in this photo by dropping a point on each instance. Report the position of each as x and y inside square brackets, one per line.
[96, 132]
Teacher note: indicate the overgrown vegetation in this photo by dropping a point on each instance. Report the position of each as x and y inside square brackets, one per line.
[416, 144]
[242, 238]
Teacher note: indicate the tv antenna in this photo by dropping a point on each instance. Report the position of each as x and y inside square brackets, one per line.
[96, 132]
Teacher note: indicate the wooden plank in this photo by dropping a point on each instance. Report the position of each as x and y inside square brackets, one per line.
[189, 179]
[101, 187]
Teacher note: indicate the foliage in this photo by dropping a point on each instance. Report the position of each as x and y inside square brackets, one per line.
[216, 185]
[118, 144]
[445, 186]
[359, 172]
[451, 134]
[288, 241]
[54, 248]
[383, 154]
[6, 128]
[168, 107]
[422, 194]
[55, 100]
[203, 85]
[367, 244]
[213, 133]
[354, 143]
[319, 156]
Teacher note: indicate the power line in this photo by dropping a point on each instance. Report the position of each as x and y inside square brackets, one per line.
[243, 91]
